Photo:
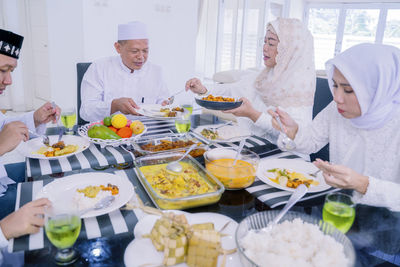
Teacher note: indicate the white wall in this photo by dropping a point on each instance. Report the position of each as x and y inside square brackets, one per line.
[84, 30]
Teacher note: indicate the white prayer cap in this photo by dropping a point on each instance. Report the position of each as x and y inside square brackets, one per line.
[132, 31]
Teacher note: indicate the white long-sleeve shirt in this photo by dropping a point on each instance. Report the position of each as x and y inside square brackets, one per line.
[108, 79]
[373, 153]
[30, 123]
[263, 126]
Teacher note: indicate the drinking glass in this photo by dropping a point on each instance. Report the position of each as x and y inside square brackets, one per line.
[62, 226]
[188, 108]
[68, 118]
[339, 210]
[182, 124]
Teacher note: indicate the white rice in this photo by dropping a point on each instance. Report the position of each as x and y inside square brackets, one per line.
[87, 202]
[295, 243]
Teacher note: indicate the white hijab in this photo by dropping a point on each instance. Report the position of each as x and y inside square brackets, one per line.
[291, 82]
[373, 71]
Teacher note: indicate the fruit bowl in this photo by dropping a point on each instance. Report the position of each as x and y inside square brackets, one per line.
[219, 163]
[83, 131]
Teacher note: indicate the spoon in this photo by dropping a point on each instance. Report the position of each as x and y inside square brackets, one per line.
[172, 97]
[45, 138]
[241, 145]
[288, 143]
[174, 165]
[101, 204]
[61, 130]
[222, 125]
[300, 191]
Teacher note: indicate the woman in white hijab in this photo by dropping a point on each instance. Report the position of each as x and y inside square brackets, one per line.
[361, 125]
[288, 81]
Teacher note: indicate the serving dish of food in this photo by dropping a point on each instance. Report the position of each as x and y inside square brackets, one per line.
[298, 238]
[224, 134]
[192, 187]
[169, 143]
[287, 174]
[161, 112]
[86, 189]
[68, 146]
[218, 102]
[191, 244]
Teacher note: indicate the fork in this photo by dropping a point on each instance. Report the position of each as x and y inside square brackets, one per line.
[219, 126]
[314, 174]
[61, 130]
[45, 138]
[172, 97]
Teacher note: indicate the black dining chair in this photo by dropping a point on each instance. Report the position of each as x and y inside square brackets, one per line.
[81, 69]
[322, 98]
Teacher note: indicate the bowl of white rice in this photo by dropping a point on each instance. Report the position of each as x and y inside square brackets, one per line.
[298, 240]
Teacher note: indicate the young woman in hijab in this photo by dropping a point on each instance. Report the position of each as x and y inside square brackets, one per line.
[288, 81]
[361, 125]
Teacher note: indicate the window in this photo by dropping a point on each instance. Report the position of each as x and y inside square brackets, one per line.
[336, 27]
[231, 33]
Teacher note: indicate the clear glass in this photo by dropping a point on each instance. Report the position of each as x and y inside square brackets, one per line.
[68, 118]
[392, 32]
[63, 225]
[360, 27]
[182, 123]
[323, 23]
[339, 210]
[188, 107]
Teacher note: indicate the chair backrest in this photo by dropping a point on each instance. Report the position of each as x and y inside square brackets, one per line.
[322, 98]
[81, 69]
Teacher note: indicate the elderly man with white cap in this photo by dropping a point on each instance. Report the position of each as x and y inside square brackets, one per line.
[121, 83]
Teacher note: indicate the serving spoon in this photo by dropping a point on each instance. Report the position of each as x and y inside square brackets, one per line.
[101, 204]
[241, 145]
[174, 166]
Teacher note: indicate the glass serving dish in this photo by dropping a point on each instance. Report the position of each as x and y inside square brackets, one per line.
[160, 195]
[219, 162]
[261, 220]
[169, 143]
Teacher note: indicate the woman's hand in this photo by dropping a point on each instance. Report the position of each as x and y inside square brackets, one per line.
[195, 86]
[245, 110]
[342, 177]
[290, 127]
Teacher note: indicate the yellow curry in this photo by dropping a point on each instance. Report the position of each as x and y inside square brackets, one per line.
[176, 185]
[239, 176]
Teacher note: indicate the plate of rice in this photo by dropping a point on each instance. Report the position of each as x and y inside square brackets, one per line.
[86, 189]
[298, 240]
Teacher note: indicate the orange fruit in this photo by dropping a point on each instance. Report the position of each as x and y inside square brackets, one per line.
[113, 129]
[125, 132]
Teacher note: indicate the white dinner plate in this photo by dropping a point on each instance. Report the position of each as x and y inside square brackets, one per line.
[29, 148]
[64, 189]
[300, 166]
[153, 111]
[141, 251]
[227, 133]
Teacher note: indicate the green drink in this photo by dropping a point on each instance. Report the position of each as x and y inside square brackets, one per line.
[63, 231]
[339, 211]
[188, 107]
[68, 120]
[182, 126]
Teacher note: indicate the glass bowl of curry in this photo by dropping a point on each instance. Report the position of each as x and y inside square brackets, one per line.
[219, 162]
[193, 187]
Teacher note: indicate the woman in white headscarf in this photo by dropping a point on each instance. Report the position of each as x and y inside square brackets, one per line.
[361, 125]
[288, 81]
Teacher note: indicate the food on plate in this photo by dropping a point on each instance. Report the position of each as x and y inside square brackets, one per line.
[291, 243]
[176, 185]
[291, 179]
[197, 245]
[240, 175]
[171, 112]
[102, 132]
[169, 145]
[137, 127]
[119, 121]
[218, 98]
[210, 134]
[88, 196]
[57, 149]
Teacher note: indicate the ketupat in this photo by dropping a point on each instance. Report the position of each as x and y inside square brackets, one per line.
[204, 248]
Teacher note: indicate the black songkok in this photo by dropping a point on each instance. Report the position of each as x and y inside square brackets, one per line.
[10, 43]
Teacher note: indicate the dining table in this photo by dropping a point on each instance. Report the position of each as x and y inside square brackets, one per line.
[375, 233]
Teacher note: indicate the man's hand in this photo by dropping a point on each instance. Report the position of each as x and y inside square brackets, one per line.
[195, 86]
[27, 220]
[290, 127]
[245, 110]
[45, 114]
[11, 135]
[342, 177]
[125, 105]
